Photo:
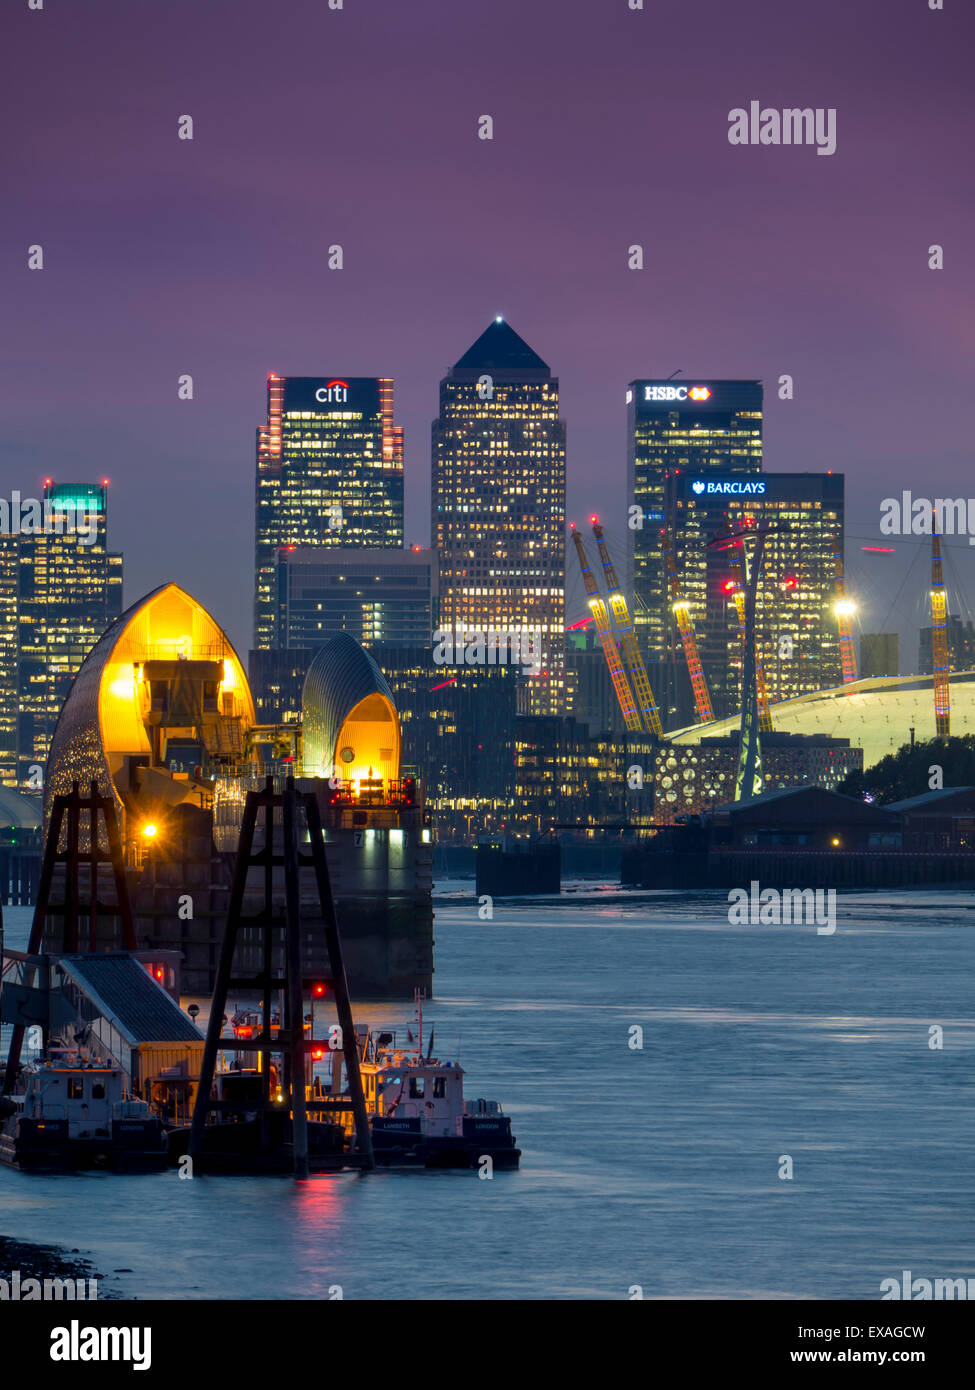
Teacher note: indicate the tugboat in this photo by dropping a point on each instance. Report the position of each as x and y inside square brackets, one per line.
[418, 1113]
[74, 1113]
[415, 1105]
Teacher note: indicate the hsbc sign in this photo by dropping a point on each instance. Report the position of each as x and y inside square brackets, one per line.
[676, 393]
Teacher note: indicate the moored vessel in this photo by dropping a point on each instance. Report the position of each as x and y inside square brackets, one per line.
[74, 1112]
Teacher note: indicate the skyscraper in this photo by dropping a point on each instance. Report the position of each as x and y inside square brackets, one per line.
[695, 425]
[498, 503]
[69, 591]
[329, 473]
[376, 595]
[795, 622]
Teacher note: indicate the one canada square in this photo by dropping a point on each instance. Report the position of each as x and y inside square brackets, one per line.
[498, 503]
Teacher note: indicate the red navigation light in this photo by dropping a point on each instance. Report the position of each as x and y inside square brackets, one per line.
[105, 482]
[47, 482]
[572, 526]
[318, 990]
[728, 585]
[594, 517]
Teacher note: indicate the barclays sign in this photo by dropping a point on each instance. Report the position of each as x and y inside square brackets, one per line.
[738, 487]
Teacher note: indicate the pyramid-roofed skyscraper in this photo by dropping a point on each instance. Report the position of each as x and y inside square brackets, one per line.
[498, 503]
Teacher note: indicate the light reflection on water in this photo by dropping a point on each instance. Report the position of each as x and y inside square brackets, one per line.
[655, 1167]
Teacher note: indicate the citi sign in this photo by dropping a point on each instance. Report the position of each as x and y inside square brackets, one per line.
[737, 489]
[335, 393]
[676, 393]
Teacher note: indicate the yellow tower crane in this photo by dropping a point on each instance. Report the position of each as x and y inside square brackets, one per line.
[844, 608]
[633, 661]
[597, 607]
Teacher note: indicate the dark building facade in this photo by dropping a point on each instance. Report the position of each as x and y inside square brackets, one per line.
[458, 726]
[700, 426]
[961, 646]
[498, 503]
[329, 474]
[376, 595]
[879, 654]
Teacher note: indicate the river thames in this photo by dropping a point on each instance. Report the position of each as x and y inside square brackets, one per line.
[654, 1168]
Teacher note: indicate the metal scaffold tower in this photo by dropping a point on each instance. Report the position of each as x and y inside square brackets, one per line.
[635, 669]
[289, 1039]
[597, 607]
[750, 780]
[75, 819]
[681, 610]
[739, 578]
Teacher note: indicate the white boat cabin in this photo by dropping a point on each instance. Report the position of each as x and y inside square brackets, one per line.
[88, 1094]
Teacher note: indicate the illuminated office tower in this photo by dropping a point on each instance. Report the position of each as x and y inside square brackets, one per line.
[9, 636]
[498, 504]
[69, 593]
[329, 473]
[795, 619]
[692, 425]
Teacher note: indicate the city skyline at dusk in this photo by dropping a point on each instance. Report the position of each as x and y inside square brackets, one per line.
[164, 257]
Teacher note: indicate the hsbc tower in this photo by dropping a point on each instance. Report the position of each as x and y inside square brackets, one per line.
[688, 424]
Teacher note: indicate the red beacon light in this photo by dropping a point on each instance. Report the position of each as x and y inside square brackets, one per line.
[729, 585]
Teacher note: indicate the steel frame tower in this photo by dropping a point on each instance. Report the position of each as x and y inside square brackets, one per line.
[750, 780]
[597, 607]
[635, 668]
[740, 579]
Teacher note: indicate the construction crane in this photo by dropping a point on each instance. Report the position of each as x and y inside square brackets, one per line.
[621, 685]
[844, 608]
[635, 668]
[940, 663]
[737, 591]
[681, 607]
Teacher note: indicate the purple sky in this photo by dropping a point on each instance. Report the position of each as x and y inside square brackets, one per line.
[358, 126]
